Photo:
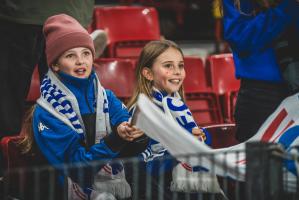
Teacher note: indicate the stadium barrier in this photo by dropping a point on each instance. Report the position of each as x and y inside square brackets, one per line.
[266, 178]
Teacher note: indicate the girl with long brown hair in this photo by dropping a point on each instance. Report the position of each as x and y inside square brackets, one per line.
[160, 73]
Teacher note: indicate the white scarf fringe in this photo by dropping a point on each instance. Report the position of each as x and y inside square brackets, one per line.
[184, 180]
[118, 186]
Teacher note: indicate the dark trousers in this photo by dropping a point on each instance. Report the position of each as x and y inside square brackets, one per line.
[256, 101]
[21, 48]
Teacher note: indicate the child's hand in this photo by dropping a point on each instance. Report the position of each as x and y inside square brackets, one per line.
[198, 133]
[128, 132]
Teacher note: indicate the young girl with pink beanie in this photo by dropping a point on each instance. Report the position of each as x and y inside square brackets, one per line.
[76, 120]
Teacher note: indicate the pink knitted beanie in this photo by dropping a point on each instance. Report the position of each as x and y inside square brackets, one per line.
[62, 32]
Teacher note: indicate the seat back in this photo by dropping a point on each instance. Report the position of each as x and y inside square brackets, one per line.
[27, 176]
[117, 75]
[34, 92]
[129, 28]
[11, 153]
[204, 109]
[14, 162]
[200, 99]
[221, 72]
[223, 135]
[195, 80]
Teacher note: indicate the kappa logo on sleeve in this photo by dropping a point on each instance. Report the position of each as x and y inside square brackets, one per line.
[123, 106]
[41, 127]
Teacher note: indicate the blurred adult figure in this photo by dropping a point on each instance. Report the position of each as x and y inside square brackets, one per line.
[252, 28]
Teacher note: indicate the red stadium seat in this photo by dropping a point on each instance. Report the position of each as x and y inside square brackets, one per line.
[117, 75]
[202, 102]
[196, 78]
[34, 92]
[129, 28]
[223, 135]
[12, 161]
[12, 156]
[24, 173]
[221, 72]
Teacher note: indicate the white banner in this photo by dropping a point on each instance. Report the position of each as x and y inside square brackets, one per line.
[281, 126]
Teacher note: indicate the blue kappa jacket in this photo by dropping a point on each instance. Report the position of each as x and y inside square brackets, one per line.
[62, 145]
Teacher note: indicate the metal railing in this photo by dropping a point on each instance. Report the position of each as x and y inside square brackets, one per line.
[266, 178]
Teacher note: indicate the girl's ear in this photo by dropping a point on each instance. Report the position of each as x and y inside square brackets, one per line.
[147, 73]
[55, 67]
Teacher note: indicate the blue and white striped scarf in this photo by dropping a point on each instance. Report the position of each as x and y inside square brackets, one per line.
[173, 106]
[57, 99]
[185, 178]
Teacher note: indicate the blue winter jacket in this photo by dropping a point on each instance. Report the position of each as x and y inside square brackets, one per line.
[251, 37]
[60, 144]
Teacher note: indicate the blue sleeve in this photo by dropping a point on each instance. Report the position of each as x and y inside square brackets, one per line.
[247, 33]
[118, 112]
[208, 140]
[60, 144]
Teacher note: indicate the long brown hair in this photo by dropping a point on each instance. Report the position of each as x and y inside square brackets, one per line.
[27, 142]
[147, 57]
[238, 4]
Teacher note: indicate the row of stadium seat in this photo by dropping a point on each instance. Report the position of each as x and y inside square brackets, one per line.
[210, 89]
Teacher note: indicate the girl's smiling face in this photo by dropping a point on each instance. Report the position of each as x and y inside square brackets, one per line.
[167, 72]
[76, 62]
